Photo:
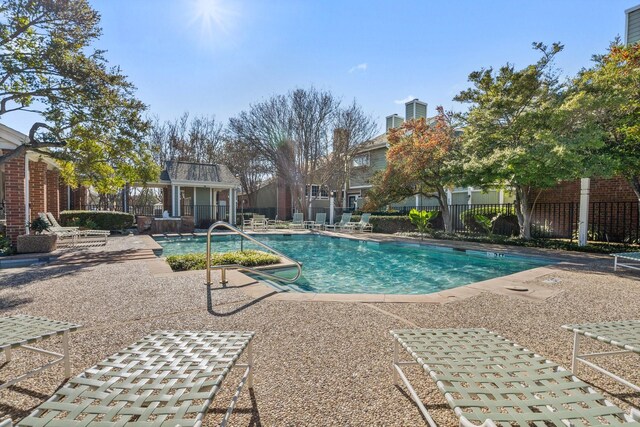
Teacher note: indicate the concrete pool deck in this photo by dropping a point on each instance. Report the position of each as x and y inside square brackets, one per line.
[317, 364]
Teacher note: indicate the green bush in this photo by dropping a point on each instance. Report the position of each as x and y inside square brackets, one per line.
[498, 220]
[5, 245]
[248, 258]
[97, 220]
[38, 226]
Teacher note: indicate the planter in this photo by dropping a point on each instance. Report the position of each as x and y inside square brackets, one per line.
[36, 243]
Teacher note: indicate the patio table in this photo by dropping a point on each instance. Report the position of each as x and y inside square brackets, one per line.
[622, 334]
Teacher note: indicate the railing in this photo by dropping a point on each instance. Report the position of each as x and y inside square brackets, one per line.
[223, 268]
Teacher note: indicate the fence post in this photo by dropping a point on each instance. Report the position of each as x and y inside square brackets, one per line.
[332, 203]
[585, 185]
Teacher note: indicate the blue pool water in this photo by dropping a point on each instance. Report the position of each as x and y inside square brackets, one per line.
[337, 265]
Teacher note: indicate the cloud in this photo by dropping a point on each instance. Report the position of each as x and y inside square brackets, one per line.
[359, 67]
[405, 100]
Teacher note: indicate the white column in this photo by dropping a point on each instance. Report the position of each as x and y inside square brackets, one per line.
[178, 200]
[470, 194]
[27, 196]
[417, 201]
[449, 197]
[583, 217]
[174, 211]
[332, 202]
[501, 196]
[211, 203]
[194, 206]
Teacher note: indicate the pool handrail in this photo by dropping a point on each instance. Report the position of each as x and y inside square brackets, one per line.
[223, 268]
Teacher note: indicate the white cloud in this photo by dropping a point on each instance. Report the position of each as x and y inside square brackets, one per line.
[405, 100]
[359, 67]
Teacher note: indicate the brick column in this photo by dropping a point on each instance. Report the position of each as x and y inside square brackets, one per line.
[53, 192]
[37, 188]
[63, 194]
[14, 193]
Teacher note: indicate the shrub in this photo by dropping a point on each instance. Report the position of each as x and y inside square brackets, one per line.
[5, 246]
[248, 258]
[38, 226]
[98, 220]
[498, 220]
[422, 219]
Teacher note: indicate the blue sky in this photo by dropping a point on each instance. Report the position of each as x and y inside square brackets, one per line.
[216, 57]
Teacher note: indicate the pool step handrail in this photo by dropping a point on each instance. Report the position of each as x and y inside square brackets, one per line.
[223, 268]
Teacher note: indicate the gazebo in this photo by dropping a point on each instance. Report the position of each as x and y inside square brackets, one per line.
[206, 192]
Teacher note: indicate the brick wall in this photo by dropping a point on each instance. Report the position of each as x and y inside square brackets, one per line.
[602, 190]
[53, 192]
[14, 182]
[37, 188]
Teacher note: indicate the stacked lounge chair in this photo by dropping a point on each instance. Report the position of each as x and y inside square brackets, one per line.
[362, 225]
[298, 221]
[344, 220]
[73, 235]
[319, 223]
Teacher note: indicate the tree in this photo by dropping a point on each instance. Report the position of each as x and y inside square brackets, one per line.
[513, 132]
[603, 106]
[246, 164]
[294, 134]
[198, 139]
[87, 114]
[422, 159]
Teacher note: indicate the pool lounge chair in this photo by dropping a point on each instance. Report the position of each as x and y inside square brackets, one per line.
[362, 225]
[259, 222]
[53, 224]
[489, 381]
[627, 256]
[346, 218]
[622, 334]
[298, 221]
[168, 378]
[21, 331]
[319, 223]
[75, 235]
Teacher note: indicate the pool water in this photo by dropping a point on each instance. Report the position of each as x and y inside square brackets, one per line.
[339, 265]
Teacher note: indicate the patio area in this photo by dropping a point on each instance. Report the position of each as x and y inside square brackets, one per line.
[316, 363]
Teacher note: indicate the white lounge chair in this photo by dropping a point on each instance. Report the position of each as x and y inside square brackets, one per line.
[489, 381]
[320, 222]
[344, 220]
[169, 378]
[623, 334]
[628, 256]
[259, 222]
[20, 331]
[362, 225]
[298, 221]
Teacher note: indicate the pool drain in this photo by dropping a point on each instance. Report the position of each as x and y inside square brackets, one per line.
[517, 288]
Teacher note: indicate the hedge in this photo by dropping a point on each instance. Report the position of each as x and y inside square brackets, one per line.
[97, 220]
[248, 258]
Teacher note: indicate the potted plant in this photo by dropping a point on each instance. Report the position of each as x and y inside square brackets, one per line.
[38, 242]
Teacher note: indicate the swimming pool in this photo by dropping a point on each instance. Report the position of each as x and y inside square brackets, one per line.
[349, 266]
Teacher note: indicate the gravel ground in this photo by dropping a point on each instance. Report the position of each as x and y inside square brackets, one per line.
[317, 364]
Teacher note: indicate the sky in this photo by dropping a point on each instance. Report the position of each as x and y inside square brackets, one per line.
[217, 57]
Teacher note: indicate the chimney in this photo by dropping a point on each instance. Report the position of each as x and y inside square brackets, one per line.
[340, 140]
[415, 110]
[394, 121]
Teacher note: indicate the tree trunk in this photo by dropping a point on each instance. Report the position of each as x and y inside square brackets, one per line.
[444, 209]
[523, 211]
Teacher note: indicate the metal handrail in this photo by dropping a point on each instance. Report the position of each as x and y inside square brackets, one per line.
[223, 268]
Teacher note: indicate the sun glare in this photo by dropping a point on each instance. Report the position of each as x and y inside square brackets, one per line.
[214, 17]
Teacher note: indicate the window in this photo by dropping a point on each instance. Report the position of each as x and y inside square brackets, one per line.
[361, 160]
[317, 192]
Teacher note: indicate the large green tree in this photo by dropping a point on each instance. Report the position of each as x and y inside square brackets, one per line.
[513, 135]
[86, 114]
[603, 106]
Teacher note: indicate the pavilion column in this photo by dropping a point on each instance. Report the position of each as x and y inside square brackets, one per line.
[174, 209]
[37, 188]
[15, 191]
[215, 205]
[53, 192]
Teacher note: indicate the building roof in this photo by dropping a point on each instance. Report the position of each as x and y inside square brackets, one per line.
[176, 171]
[379, 141]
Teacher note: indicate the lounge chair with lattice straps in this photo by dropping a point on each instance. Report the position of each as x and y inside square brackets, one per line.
[169, 378]
[489, 381]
